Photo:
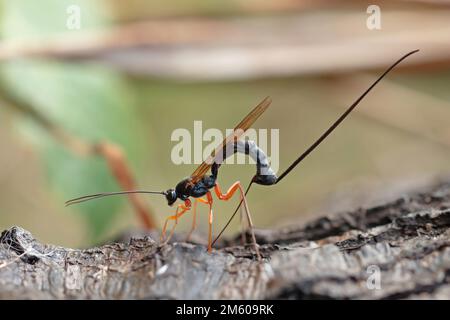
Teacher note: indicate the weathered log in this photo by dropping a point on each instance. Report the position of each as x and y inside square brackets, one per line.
[396, 250]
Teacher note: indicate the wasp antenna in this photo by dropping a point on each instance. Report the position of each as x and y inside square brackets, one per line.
[107, 194]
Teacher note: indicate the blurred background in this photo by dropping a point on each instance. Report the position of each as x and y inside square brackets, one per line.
[91, 90]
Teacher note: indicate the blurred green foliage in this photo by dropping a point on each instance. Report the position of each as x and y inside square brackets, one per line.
[90, 102]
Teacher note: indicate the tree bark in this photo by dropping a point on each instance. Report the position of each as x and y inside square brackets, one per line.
[396, 250]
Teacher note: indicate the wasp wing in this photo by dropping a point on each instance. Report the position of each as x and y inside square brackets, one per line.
[238, 131]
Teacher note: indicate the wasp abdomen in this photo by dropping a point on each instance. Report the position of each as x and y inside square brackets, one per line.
[264, 173]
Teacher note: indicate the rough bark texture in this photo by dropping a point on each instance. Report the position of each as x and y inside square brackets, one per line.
[332, 257]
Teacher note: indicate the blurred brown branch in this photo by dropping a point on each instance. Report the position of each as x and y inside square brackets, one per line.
[252, 47]
[111, 153]
[117, 163]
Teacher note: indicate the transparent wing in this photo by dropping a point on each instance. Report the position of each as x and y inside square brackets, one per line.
[238, 131]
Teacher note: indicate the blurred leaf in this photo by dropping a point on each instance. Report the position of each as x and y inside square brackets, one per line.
[92, 103]
[88, 101]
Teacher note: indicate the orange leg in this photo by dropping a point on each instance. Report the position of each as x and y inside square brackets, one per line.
[210, 220]
[227, 196]
[181, 209]
[241, 219]
[194, 216]
[194, 221]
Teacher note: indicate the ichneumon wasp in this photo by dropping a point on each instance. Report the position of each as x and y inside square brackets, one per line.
[199, 184]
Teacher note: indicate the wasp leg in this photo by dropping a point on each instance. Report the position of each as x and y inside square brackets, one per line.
[194, 216]
[181, 209]
[210, 220]
[194, 222]
[227, 196]
[241, 219]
